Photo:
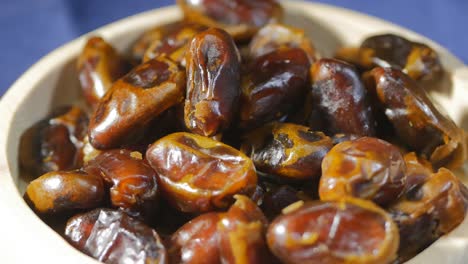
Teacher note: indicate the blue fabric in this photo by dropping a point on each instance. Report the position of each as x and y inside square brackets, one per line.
[31, 28]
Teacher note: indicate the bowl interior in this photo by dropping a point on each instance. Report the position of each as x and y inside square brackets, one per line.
[53, 81]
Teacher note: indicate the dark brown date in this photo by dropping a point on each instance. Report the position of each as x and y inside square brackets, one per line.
[417, 121]
[54, 143]
[339, 100]
[287, 150]
[133, 182]
[367, 168]
[351, 231]
[174, 42]
[114, 237]
[276, 36]
[429, 210]
[417, 60]
[213, 82]
[277, 198]
[61, 191]
[273, 86]
[134, 100]
[198, 174]
[99, 65]
[241, 18]
[156, 34]
[234, 237]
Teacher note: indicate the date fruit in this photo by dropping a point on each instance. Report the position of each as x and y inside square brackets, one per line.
[350, 231]
[197, 174]
[64, 191]
[366, 168]
[287, 150]
[99, 65]
[134, 100]
[240, 18]
[213, 82]
[112, 236]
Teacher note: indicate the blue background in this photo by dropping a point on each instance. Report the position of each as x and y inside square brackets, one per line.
[31, 28]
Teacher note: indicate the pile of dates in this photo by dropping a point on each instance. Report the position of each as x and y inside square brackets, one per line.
[226, 138]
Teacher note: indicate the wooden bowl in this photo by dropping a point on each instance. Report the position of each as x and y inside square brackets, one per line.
[53, 81]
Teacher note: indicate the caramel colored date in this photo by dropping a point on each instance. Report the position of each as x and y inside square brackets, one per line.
[367, 168]
[287, 150]
[276, 36]
[429, 210]
[134, 100]
[273, 86]
[240, 18]
[352, 231]
[173, 43]
[339, 102]
[133, 182]
[54, 143]
[234, 237]
[114, 237]
[416, 120]
[213, 82]
[198, 174]
[61, 191]
[99, 65]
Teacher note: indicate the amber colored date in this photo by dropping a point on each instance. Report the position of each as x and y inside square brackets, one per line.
[233, 237]
[429, 210]
[134, 100]
[276, 36]
[111, 236]
[351, 231]
[240, 18]
[339, 100]
[213, 82]
[417, 121]
[174, 42]
[287, 150]
[418, 60]
[64, 191]
[133, 182]
[273, 86]
[367, 168]
[99, 65]
[54, 143]
[198, 174]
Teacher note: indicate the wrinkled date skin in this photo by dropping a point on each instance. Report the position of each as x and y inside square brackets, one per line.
[417, 171]
[367, 168]
[351, 231]
[417, 60]
[340, 103]
[134, 100]
[234, 237]
[174, 42]
[276, 36]
[65, 191]
[416, 120]
[213, 82]
[133, 182]
[288, 150]
[54, 143]
[99, 65]
[198, 174]
[112, 236]
[273, 86]
[429, 210]
[240, 18]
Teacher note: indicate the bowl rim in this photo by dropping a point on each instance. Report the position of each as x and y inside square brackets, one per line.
[21, 216]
